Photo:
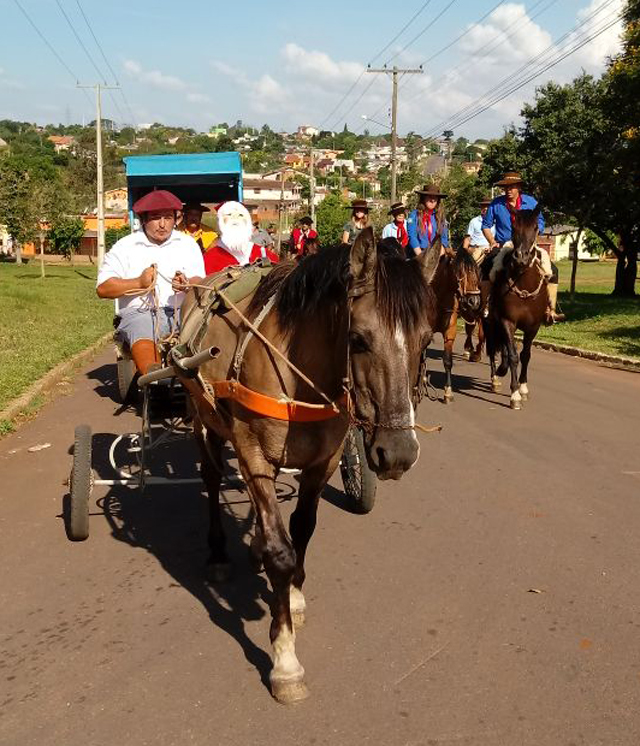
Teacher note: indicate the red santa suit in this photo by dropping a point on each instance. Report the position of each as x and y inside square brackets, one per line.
[218, 258]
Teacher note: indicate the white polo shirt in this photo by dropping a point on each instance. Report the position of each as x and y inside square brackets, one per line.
[474, 231]
[134, 253]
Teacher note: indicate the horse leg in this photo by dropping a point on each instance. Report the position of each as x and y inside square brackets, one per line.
[490, 336]
[218, 567]
[287, 675]
[468, 340]
[476, 355]
[525, 357]
[512, 360]
[447, 358]
[301, 527]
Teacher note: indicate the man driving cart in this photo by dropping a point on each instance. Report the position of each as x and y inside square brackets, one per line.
[148, 272]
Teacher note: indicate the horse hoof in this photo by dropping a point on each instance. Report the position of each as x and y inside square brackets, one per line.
[448, 398]
[475, 357]
[496, 386]
[514, 404]
[466, 355]
[524, 395]
[289, 692]
[218, 572]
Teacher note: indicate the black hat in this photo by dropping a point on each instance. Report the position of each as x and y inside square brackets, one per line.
[360, 204]
[306, 221]
[430, 190]
[195, 206]
[397, 207]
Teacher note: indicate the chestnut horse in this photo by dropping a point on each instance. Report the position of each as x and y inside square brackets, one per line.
[350, 318]
[518, 301]
[456, 285]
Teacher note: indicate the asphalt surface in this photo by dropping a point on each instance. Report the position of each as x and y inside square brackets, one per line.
[490, 598]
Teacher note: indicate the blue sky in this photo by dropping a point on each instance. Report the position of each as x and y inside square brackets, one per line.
[287, 63]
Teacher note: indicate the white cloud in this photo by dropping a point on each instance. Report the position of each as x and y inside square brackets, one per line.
[198, 98]
[318, 65]
[158, 79]
[596, 16]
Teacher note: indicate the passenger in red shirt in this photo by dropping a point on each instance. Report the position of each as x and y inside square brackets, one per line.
[234, 247]
[300, 236]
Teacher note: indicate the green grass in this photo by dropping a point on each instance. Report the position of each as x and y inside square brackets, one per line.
[45, 321]
[595, 320]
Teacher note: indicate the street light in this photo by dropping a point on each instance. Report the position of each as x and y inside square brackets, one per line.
[364, 116]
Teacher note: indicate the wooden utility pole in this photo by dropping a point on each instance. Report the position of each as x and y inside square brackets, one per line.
[280, 212]
[100, 179]
[394, 120]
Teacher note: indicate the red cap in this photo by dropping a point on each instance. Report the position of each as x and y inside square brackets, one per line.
[160, 199]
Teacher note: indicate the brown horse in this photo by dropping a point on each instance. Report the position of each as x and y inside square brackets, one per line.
[474, 351]
[349, 318]
[518, 301]
[456, 285]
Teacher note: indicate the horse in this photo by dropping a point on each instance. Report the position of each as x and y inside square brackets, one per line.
[518, 301]
[456, 285]
[353, 320]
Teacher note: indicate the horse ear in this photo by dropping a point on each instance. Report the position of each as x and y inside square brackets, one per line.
[363, 257]
[537, 210]
[429, 260]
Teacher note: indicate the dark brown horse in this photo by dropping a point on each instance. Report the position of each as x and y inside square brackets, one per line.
[456, 285]
[346, 317]
[474, 351]
[518, 301]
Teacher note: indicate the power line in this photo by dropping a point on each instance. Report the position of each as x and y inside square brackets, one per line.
[80, 42]
[51, 48]
[402, 30]
[520, 84]
[424, 31]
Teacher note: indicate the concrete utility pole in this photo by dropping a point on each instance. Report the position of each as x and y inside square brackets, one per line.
[281, 212]
[312, 186]
[394, 120]
[100, 181]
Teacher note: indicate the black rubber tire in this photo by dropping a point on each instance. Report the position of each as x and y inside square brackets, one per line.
[80, 485]
[126, 374]
[358, 479]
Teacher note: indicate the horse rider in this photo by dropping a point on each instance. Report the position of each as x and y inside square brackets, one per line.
[427, 221]
[235, 245]
[358, 222]
[397, 228]
[193, 226]
[260, 236]
[301, 236]
[148, 272]
[501, 215]
[475, 242]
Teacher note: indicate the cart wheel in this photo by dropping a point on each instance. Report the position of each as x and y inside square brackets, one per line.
[126, 373]
[358, 479]
[80, 484]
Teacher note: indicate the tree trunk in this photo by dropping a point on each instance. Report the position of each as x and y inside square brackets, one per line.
[18, 250]
[627, 267]
[574, 263]
[42, 274]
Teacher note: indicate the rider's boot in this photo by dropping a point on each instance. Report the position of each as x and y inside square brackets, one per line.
[552, 315]
[485, 291]
[145, 355]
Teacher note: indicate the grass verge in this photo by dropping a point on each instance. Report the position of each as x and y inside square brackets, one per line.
[596, 321]
[45, 322]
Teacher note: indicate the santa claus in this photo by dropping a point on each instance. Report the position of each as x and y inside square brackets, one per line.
[234, 245]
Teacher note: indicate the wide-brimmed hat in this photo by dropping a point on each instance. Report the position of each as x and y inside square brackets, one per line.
[360, 204]
[510, 178]
[430, 190]
[397, 207]
[485, 201]
[195, 206]
[159, 199]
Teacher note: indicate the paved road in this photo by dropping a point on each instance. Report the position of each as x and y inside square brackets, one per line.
[422, 626]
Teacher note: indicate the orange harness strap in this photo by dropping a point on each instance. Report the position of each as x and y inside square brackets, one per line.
[288, 410]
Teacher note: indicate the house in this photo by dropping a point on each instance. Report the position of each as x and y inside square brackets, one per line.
[306, 132]
[62, 142]
[216, 132]
[560, 240]
[471, 167]
[265, 196]
[435, 164]
[116, 200]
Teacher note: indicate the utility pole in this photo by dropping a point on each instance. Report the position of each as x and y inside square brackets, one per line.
[100, 180]
[312, 186]
[394, 120]
[448, 136]
[280, 212]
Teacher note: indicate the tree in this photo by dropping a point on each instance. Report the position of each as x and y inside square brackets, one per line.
[16, 210]
[65, 235]
[464, 192]
[504, 154]
[111, 235]
[330, 217]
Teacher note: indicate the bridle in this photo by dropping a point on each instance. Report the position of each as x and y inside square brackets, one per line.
[511, 286]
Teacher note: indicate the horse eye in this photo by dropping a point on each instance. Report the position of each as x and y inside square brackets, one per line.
[358, 343]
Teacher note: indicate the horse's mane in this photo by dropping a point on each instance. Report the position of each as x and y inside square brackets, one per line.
[464, 263]
[320, 282]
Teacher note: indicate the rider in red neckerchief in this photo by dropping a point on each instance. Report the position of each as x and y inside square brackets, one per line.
[397, 228]
[300, 236]
[234, 247]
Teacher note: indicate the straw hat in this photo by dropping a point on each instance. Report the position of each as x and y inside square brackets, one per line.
[510, 178]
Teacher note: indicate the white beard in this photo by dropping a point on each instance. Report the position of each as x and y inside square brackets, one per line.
[237, 241]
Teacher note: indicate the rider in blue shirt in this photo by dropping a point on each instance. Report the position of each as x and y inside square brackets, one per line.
[427, 221]
[500, 216]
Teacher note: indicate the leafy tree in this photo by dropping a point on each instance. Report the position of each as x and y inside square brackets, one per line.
[65, 236]
[331, 216]
[464, 191]
[504, 154]
[111, 235]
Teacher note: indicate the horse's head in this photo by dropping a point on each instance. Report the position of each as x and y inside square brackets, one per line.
[525, 233]
[390, 301]
[467, 276]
